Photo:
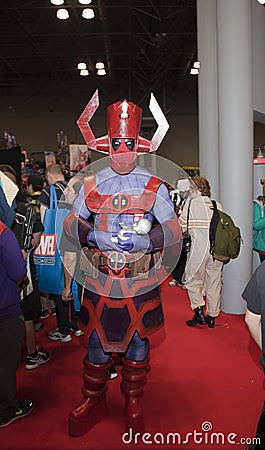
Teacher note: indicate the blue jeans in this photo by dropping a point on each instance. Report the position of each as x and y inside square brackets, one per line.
[63, 309]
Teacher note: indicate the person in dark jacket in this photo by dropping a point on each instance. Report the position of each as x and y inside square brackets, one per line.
[254, 295]
[12, 328]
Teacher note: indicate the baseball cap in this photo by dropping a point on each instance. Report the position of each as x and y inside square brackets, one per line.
[36, 181]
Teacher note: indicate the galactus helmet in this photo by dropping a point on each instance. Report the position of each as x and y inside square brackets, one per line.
[123, 141]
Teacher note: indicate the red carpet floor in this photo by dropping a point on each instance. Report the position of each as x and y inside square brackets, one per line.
[202, 381]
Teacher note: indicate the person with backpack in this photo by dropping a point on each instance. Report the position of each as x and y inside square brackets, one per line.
[27, 228]
[28, 235]
[202, 276]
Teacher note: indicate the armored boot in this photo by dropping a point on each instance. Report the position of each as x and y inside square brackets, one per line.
[134, 379]
[93, 407]
[198, 318]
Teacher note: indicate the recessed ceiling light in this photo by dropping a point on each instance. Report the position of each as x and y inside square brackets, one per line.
[85, 2]
[101, 72]
[88, 13]
[62, 14]
[57, 2]
[197, 64]
[81, 66]
[100, 65]
[84, 72]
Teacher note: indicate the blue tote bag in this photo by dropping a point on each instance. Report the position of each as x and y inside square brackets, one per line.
[47, 256]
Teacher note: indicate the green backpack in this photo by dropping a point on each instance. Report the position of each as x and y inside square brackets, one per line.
[225, 237]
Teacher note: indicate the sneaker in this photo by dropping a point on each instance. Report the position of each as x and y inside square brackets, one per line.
[25, 407]
[41, 358]
[113, 372]
[57, 336]
[53, 311]
[44, 314]
[77, 332]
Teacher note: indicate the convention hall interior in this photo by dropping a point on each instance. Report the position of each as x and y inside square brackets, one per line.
[54, 55]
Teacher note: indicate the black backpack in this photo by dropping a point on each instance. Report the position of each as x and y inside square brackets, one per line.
[224, 235]
[26, 218]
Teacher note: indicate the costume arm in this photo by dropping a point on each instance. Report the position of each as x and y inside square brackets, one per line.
[168, 232]
[165, 235]
[253, 322]
[77, 227]
[75, 223]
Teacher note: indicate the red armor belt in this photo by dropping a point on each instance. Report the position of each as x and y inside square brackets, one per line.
[116, 262]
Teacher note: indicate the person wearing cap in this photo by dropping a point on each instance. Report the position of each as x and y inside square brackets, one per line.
[35, 185]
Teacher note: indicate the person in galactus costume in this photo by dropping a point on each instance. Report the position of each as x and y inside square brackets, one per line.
[125, 216]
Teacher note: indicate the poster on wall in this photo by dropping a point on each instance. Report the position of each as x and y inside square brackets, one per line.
[9, 140]
[49, 158]
[62, 144]
[80, 157]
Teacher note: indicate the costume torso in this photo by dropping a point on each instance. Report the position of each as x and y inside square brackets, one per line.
[123, 295]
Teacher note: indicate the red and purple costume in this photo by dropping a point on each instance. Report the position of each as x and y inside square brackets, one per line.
[122, 291]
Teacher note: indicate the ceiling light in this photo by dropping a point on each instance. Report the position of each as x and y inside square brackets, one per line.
[262, 2]
[194, 71]
[84, 72]
[101, 72]
[62, 14]
[197, 64]
[57, 2]
[85, 2]
[100, 65]
[81, 66]
[88, 13]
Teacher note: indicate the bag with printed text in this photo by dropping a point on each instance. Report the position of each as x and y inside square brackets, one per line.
[47, 256]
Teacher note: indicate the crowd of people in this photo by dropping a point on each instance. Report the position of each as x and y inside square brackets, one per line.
[198, 273]
[187, 218]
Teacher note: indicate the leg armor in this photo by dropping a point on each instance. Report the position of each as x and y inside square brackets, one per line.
[93, 406]
[133, 381]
